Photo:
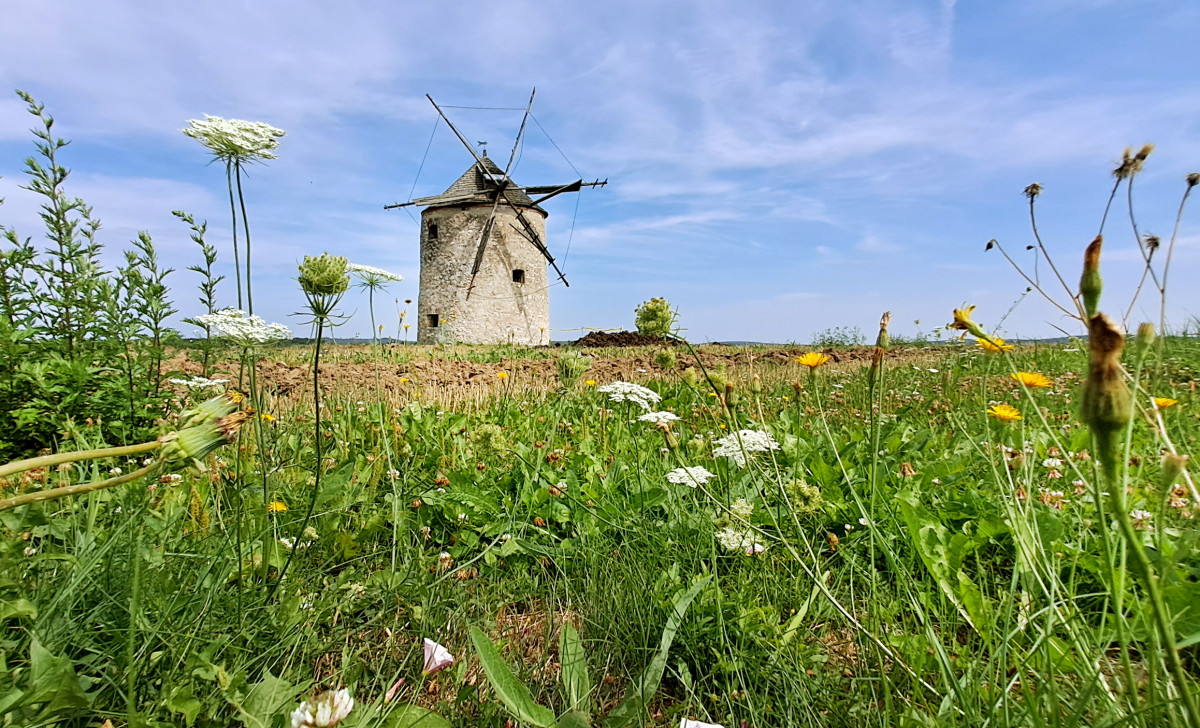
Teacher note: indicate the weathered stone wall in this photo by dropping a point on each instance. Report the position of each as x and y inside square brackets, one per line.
[499, 310]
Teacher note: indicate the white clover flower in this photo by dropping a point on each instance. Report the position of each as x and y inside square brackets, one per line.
[755, 549]
[737, 445]
[659, 417]
[327, 709]
[436, 657]
[630, 392]
[689, 723]
[1051, 463]
[1141, 519]
[235, 139]
[243, 329]
[372, 276]
[198, 382]
[694, 476]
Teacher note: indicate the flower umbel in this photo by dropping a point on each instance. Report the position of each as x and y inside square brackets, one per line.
[235, 139]
[630, 392]
[692, 477]
[243, 329]
[737, 445]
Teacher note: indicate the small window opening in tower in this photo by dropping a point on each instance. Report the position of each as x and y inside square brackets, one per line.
[518, 276]
[432, 318]
[433, 230]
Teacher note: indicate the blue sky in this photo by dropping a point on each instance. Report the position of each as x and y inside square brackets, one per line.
[775, 168]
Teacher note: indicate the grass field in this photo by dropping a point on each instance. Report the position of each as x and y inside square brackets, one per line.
[891, 555]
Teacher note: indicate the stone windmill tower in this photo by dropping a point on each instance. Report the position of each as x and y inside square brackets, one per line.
[484, 258]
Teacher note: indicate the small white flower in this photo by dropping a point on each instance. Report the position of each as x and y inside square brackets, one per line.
[630, 392]
[198, 382]
[311, 534]
[371, 276]
[694, 476]
[689, 723]
[115, 471]
[244, 329]
[235, 139]
[755, 548]
[393, 473]
[288, 543]
[436, 657]
[737, 445]
[30, 551]
[1051, 463]
[1141, 519]
[741, 508]
[327, 709]
[659, 417]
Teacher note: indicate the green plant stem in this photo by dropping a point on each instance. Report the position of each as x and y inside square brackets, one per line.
[312, 503]
[1142, 568]
[46, 461]
[81, 488]
[131, 641]
[237, 265]
[246, 227]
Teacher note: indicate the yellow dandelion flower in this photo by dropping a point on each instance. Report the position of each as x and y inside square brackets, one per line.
[590, 383]
[501, 375]
[403, 380]
[812, 359]
[406, 326]
[1165, 402]
[994, 345]
[962, 322]
[235, 397]
[276, 507]
[1004, 412]
[266, 417]
[1032, 379]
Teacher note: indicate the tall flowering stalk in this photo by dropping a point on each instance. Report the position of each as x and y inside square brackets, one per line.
[324, 281]
[236, 143]
[372, 279]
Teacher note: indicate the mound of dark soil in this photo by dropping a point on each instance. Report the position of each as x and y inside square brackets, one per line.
[597, 339]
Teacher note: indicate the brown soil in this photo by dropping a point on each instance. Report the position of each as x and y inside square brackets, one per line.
[448, 377]
[599, 339]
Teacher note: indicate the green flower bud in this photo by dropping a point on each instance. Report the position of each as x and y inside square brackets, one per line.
[324, 276]
[1090, 283]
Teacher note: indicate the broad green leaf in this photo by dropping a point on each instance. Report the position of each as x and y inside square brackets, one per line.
[412, 716]
[574, 719]
[515, 696]
[574, 671]
[943, 554]
[53, 681]
[270, 697]
[633, 707]
[19, 608]
[183, 701]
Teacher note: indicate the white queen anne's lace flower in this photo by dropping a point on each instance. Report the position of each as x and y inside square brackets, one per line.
[235, 139]
[694, 476]
[372, 276]
[199, 382]
[737, 445]
[659, 417]
[327, 709]
[243, 329]
[630, 392]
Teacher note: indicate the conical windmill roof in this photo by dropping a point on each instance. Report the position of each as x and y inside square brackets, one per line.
[472, 187]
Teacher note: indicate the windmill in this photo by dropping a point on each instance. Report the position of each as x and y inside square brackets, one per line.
[483, 253]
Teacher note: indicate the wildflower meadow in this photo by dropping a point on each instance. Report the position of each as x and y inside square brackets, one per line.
[238, 529]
